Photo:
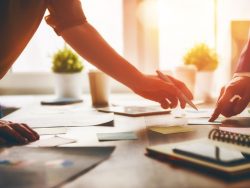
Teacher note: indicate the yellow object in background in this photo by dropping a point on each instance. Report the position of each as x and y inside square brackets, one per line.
[202, 57]
[171, 129]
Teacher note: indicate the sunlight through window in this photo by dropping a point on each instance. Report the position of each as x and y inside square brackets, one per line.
[105, 16]
[182, 24]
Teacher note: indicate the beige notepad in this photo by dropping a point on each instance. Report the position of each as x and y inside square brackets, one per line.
[171, 129]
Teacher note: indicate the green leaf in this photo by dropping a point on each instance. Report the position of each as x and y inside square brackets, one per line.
[66, 61]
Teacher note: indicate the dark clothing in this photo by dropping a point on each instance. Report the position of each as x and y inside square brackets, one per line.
[244, 60]
[19, 20]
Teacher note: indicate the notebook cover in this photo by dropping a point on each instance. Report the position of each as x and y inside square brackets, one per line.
[165, 152]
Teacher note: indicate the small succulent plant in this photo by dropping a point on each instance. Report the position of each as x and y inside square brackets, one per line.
[66, 61]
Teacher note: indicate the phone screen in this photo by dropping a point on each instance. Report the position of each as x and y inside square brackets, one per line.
[63, 101]
[211, 153]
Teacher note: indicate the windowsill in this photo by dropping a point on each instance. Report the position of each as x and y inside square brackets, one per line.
[124, 99]
[43, 83]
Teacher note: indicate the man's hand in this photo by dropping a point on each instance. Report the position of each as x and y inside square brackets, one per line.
[233, 99]
[153, 88]
[16, 133]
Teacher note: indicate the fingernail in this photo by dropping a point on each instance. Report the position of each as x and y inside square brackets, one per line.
[26, 140]
[36, 137]
[33, 138]
[211, 119]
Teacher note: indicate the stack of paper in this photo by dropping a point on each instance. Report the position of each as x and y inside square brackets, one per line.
[52, 142]
[63, 117]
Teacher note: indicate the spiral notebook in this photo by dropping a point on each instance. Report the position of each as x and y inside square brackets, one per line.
[225, 152]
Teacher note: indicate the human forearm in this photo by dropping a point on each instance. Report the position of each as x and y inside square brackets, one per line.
[90, 45]
[238, 87]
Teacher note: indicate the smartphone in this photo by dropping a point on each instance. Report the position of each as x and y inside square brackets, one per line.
[214, 154]
[63, 101]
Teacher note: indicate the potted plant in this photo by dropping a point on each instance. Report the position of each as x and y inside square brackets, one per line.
[205, 59]
[67, 67]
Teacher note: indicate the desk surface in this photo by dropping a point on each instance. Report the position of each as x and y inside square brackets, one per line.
[129, 166]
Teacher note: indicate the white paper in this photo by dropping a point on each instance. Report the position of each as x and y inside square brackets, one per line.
[51, 131]
[52, 142]
[191, 113]
[44, 117]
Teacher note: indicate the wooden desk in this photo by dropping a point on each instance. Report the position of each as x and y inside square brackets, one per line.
[129, 167]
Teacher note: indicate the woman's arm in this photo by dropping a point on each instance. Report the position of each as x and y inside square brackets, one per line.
[90, 45]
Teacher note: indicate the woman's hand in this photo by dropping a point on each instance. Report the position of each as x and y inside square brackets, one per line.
[16, 133]
[153, 88]
[238, 88]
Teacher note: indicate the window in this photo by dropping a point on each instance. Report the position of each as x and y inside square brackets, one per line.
[105, 17]
[155, 35]
[182, 24]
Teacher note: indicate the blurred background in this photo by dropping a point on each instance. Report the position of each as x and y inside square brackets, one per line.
[151, 34]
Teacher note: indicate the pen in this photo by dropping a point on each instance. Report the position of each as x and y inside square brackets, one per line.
[166, 79]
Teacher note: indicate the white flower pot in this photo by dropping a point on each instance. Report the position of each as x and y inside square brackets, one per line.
[68, 85]
[204, 85]
[186, 74]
